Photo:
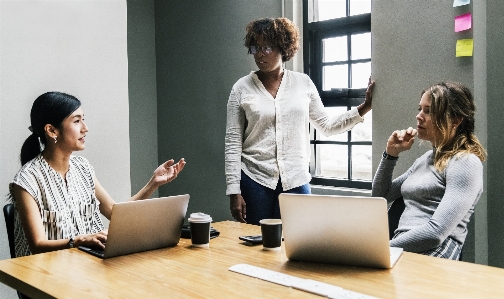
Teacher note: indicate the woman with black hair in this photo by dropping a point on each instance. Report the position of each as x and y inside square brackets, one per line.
[56, 195]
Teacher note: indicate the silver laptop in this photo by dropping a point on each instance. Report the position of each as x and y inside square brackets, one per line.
[143, 225]
[347, 230]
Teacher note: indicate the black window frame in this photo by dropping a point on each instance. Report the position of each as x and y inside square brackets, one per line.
[314, 33]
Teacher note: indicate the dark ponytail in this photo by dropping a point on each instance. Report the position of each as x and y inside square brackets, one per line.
[50, 108]
[30, 149]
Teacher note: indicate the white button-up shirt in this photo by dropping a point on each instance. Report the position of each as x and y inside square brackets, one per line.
[268, 137]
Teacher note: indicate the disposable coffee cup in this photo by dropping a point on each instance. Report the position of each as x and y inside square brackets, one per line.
[271, 230]
[199, 224]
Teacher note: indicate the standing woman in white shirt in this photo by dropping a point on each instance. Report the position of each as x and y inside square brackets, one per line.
[267, 139]
[56, 195]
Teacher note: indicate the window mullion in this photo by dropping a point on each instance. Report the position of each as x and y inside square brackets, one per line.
[317, 33]
[349, 151]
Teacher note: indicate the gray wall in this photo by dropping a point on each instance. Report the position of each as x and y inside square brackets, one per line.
[478, 229]
[200, 55]
[78, 47]
[495, 133]
[142, 92]
[414, 47]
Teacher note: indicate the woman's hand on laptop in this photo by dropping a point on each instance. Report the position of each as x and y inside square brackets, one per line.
[92, 240]
[167, 172]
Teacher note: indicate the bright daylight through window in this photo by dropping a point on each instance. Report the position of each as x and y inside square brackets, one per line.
[339, 62]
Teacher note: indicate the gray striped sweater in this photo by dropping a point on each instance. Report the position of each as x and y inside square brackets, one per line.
[438, 205]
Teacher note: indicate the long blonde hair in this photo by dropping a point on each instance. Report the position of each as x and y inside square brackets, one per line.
[450, 103]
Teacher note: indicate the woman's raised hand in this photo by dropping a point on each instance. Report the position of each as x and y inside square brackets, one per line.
[167, 171]
[400, 140]
[368, 102]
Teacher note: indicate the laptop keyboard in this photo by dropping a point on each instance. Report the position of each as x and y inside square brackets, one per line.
[94, 251]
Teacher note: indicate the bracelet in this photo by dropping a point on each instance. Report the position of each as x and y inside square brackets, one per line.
[389, 157]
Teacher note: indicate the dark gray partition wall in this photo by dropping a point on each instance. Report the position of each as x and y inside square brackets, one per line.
[414, 47]
[478, 229]
[200, 55]
[142, 92]
[495, 129]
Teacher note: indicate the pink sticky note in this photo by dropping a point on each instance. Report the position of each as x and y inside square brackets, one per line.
[463, 22]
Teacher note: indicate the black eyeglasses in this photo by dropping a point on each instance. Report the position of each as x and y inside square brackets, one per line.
[265, 49]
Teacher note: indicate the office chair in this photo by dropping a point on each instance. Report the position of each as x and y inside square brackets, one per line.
[8, 211]
[394, 213]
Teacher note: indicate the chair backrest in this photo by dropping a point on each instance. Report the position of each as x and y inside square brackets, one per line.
[394, 213]
[8, 210]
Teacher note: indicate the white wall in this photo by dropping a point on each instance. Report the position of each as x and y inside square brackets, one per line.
[78, 47]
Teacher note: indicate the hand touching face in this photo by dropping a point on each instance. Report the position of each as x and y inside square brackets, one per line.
[400, 140]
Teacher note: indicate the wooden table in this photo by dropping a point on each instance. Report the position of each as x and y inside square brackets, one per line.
[186, 272]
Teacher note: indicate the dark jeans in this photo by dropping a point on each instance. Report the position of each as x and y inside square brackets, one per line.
[262, 202]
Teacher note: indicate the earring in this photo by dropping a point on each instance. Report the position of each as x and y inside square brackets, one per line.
[55, 140]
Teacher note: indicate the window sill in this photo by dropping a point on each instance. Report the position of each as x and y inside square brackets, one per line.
[344, 191]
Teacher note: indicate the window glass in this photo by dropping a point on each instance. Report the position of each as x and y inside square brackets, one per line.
[358, 7]
[340, 58]
[360, 74]
[335, 49]
[335, 76]
[361, 162]
[329, 9]
[363, 131]
[333, 160]
[361, 46]
[334, 111]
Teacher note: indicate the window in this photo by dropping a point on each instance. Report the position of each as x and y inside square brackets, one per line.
[337, 57]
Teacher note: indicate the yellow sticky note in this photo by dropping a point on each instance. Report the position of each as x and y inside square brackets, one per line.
[464, 47]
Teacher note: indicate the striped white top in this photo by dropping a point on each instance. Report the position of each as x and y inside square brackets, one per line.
[66, 208]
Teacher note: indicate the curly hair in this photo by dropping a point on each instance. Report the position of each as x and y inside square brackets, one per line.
[281, 32]
[451, 101]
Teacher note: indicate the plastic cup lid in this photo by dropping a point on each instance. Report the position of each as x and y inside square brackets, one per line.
[200, 217]
[270, 221]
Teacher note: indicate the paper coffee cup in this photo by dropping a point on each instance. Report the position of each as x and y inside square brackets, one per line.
[199, 224]
[271, 230]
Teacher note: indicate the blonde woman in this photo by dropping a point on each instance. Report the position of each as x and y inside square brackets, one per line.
[442, 187]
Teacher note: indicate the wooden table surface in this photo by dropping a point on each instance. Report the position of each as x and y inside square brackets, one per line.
[186, 272]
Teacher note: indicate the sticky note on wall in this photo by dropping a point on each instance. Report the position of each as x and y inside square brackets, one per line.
[464, 47]
[460, 2]
[463, 22]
